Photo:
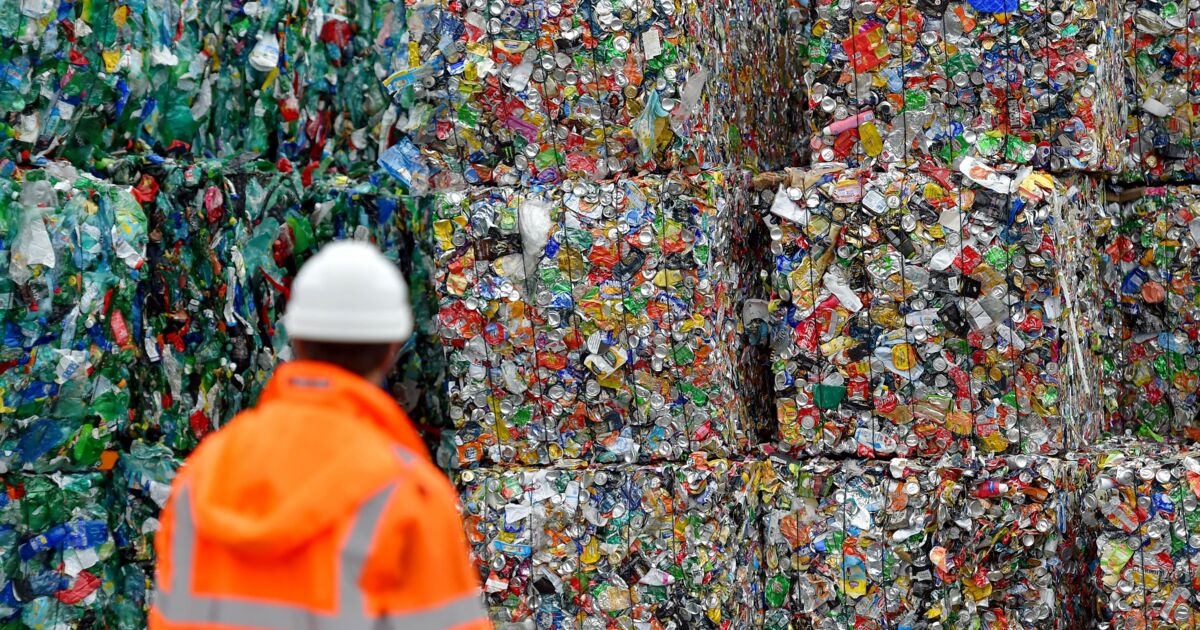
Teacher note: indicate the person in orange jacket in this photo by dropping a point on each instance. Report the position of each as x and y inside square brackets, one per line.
[320, 508]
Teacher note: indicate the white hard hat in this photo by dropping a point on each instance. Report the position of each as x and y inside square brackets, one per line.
[349, 293]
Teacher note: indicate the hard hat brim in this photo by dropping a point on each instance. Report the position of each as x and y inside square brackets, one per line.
[341, 327]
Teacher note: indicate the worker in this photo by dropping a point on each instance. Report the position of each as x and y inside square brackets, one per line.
[320, 507]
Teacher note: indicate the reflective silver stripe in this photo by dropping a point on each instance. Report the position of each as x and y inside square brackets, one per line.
[180, 606]
[453, 613]
[405, 455]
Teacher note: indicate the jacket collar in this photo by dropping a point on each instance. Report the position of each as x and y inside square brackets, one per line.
[327, 385]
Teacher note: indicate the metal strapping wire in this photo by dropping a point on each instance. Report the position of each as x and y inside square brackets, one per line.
[628, 350]
[904, 210]
[563, 236]
[1012, 377]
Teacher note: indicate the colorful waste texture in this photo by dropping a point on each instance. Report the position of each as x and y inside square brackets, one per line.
[930, 312]
[74, 260]
[897, 543]
[501, 93]
[1147, 248]
[1039, 84]
[137, 318]
[61, 565]
[1162, 50]
[1007, 546]
[672, 545]
[299, 81]
[1143, 504]
[591, 322]
[730, 313]
[845, 543]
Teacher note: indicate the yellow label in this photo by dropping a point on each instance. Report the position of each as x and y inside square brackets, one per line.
[591, 552]
[994, 443]
[271, 76]
[959, 422]
[111, 59]
[978, 593]
[871, 141]
[904, 357]
[414, 54]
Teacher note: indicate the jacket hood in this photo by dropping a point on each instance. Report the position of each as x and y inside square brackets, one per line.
[316, 446]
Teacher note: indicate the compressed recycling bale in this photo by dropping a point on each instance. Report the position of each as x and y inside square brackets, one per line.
[1144, 505]
[1161, 51]
[590, 321]
[72, 267]
[1009, 549]
[716, 532]
[918, 315]
[504, 93]
[1147, 247]
[225, 246]
[846, 542]
[764, 109]
[300, 82]
[588, 547]
[942, 543]
[1038, 84]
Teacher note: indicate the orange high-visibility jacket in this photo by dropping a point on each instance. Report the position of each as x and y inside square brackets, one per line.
[318, 509]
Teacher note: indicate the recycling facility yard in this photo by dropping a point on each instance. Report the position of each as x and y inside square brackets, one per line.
[861, 314]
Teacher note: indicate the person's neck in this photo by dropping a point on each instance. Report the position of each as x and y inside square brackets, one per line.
[376, 377]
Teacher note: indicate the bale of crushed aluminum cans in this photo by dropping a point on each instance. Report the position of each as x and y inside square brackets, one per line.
[616, 546]
[1162, 50]
[1008, 547]
[1038, 84]
[1147, 248]
[589, 321]
[1145, 505]
[846, 542]
[916, 314]
[509, 93]
[768, 40]
[943, 543]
